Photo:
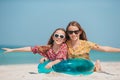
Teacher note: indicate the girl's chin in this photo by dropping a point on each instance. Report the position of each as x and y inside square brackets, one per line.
[74, 39]
[58, 43]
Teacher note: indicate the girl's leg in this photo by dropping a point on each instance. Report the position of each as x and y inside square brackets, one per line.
[97, 66]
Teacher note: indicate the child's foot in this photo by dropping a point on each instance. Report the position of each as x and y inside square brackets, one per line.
[97, 66]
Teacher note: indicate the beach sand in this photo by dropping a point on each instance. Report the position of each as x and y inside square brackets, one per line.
[111, 71]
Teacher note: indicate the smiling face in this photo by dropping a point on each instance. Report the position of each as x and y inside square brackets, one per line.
[59, 37]
[73, 32]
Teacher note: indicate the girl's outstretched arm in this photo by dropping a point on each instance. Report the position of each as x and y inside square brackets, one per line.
[23, 49]
[106, 49]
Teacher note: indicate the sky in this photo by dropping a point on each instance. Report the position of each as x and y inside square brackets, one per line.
[31, 22]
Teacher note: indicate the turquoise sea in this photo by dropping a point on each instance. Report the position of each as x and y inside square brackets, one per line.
[30, 58]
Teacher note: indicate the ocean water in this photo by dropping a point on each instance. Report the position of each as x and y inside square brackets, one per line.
[30, 58]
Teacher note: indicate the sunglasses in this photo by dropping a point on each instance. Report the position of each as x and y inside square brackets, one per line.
[71, 32]
[59, 35]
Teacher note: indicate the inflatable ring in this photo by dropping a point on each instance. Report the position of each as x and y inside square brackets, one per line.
[70, 66]
[42, 69]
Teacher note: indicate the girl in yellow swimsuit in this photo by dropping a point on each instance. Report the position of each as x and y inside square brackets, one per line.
[79, 46]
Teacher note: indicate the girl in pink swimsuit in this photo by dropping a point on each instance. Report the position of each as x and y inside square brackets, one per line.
[55, 51]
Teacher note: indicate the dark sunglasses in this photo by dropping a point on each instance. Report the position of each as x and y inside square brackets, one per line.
[59, 35]
[71, 32]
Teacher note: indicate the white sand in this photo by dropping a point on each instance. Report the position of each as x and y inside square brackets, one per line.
[29, 72]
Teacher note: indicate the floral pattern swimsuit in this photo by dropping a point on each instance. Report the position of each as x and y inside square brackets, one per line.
[82, 51]
[48, 52]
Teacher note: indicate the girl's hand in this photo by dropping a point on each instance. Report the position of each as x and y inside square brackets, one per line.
[43, 60]
[49, 65]
[7, 50]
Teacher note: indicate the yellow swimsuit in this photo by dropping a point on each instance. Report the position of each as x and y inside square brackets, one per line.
[82, 51]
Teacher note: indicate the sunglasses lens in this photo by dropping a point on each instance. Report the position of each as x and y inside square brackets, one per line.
[70, 32]
[56, 35]
[61, 36]
[76, 32]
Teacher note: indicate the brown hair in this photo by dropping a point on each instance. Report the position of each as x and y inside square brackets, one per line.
[82, 35]
[50, 42]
